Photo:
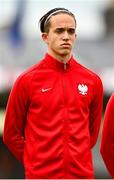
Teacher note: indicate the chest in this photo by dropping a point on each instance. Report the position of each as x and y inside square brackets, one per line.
[62, 89]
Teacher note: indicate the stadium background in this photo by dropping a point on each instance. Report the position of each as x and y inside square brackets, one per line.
[21, 46]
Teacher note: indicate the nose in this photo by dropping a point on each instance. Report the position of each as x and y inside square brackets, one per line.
[65, 36]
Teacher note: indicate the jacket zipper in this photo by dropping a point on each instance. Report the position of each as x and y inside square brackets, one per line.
[65, 66]
[65, 125]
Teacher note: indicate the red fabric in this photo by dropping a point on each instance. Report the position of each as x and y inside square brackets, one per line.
[53, 118]
[107, 140]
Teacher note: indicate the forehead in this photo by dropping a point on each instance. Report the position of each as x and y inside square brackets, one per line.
[62, 20]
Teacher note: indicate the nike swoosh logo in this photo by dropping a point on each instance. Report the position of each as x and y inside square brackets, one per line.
[47, 89]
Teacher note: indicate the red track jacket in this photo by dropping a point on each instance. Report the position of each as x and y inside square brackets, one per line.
[107, 140]
[53, 118]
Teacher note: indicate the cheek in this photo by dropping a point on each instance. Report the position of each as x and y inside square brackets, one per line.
[73, 39]
[53, 42]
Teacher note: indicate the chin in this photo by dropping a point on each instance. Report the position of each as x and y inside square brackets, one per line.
[66, 53]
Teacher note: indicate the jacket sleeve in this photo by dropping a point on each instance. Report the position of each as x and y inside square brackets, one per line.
[107, 139]
[15, 118]
[96, 111]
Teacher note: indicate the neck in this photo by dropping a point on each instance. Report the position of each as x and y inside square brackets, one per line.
[61, 58]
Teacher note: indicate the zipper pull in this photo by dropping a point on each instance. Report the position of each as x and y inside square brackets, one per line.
[65, 66]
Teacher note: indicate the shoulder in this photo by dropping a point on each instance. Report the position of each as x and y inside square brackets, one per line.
[112, 96]
[111, 100]
[90, 74]
[109, 111]
[24, 80]
[26, 76]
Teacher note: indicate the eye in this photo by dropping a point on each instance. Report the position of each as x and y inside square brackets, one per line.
[71, 31]
[59, 30]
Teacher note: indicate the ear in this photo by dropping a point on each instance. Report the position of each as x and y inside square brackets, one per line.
[44, 37]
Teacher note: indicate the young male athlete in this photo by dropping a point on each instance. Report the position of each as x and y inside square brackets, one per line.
[54, 109]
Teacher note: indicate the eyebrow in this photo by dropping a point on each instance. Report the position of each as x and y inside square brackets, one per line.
[63, 29]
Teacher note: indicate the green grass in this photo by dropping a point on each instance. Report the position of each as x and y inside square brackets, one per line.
[2, 114]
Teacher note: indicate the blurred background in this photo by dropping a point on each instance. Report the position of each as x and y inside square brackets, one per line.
[21, 46]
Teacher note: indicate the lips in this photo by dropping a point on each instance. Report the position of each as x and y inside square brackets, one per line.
[65, 45]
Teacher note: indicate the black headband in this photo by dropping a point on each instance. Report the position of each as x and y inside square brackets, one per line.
[47, 16]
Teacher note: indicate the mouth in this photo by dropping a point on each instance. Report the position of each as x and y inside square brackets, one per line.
[67, 45]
